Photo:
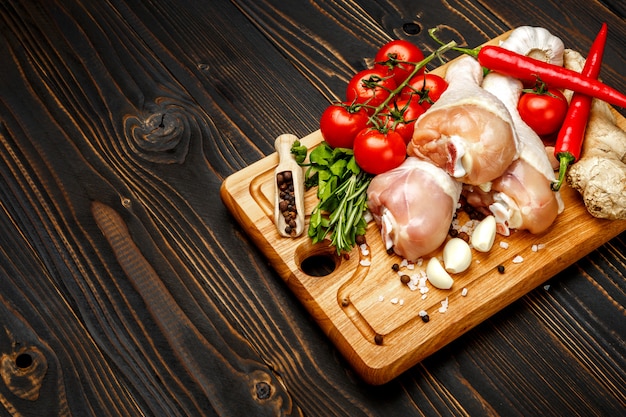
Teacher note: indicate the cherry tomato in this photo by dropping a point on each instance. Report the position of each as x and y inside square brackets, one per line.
[389, 55]
[340, 123]
[376, 152]
[543, 112]
[402, 117]
[427, 87]
[371, 86]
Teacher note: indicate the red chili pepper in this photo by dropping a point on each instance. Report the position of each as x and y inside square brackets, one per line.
[570, 138]
[529, 69]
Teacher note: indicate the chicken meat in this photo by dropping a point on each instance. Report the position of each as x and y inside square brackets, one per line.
[521, 198]
[468, 132]
[413, 206]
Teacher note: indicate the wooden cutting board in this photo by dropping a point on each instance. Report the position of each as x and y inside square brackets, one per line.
[367, 312]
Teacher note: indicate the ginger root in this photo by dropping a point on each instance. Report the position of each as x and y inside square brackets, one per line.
[600, 173]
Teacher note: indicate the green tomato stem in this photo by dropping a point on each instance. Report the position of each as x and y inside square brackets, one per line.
[468, 51]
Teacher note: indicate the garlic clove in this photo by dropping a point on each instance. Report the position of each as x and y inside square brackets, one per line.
[484, 234]
[457, 255]
[437, 275]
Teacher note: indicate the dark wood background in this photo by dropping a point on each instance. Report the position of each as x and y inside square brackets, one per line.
[127, 289]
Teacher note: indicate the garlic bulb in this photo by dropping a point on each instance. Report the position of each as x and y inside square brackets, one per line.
[535, 42]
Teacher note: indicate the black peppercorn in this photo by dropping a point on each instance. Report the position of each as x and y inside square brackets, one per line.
[501, 269]
[284, 181]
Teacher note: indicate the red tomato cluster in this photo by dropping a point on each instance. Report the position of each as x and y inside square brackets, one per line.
[382, 103]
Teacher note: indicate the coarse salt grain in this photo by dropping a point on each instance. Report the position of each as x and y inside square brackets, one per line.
[469, 226]
[504, 245]
[401, 301]
[381, 298]
[424, 296]
[538, 247]
[414, 282]
[365, 262]
[422, 285]
[464, 292]
[518, 259]
[394, 300]
[364, 249]
[422, 313]
[420, 261]
[410, 266]
[444, 306]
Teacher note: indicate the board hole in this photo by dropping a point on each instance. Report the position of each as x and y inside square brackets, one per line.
[318, 265]
[317, 260]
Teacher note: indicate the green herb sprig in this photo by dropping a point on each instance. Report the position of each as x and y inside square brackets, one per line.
[342, 193]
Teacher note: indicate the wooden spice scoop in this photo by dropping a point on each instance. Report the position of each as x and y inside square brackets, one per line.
[288, 215]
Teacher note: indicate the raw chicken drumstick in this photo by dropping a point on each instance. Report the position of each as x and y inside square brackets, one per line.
[521, 198]
[468, 132]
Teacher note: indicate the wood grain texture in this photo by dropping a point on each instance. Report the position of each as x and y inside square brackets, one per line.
[119, 120]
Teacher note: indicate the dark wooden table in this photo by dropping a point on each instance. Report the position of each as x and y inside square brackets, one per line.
[128, 289]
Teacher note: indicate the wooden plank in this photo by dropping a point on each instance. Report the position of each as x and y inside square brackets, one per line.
[109, 147]
[75, 73]
[381, 339]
